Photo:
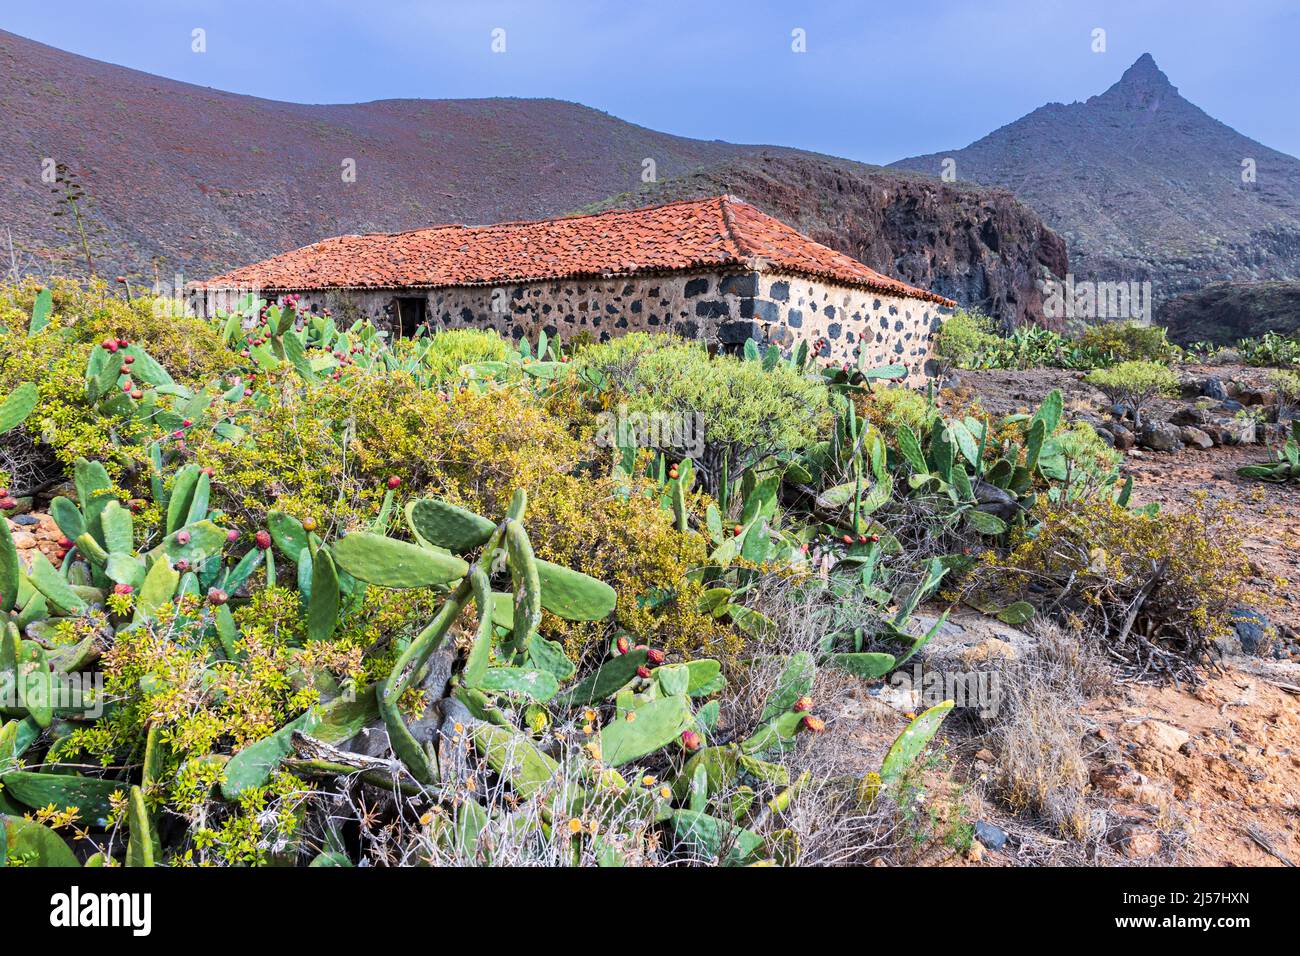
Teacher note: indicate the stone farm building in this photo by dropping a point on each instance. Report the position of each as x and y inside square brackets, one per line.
[713, 269]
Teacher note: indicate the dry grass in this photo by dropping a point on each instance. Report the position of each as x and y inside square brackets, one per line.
[1038, 736]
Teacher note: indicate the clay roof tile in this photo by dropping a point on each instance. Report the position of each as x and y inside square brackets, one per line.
[717, 232]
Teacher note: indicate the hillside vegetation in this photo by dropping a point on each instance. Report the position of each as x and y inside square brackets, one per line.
[319, 598]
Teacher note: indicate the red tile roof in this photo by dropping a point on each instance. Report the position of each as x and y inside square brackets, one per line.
[720, 231]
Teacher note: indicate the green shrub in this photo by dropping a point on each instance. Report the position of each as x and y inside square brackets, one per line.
[889, 407]
[748, 413]
[1134, 384]
[189, 348]
[1287, 386]
[1085, 451]
[612, 364]
[964, 340]
[445, 352]
[1129, 341]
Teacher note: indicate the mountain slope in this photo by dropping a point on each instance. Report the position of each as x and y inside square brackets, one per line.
[1145, 185]
[206, 180]
[180, 178]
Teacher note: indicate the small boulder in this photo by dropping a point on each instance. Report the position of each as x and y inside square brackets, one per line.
[1257, 396]
[1161, 736]
[1161, 436]
[1124, 439]
[1214, 388]
[993, 837]
[1252, 629]
[1189, 415]
[1195, 437]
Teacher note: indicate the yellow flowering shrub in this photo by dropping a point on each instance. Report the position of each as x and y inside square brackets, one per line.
[889, 407]
[1184, 570]
[631, 544]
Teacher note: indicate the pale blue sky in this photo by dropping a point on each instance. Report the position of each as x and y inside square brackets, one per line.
[879, 81]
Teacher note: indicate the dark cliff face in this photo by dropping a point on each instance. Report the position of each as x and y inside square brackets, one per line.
[1224, 312]
[1145, 186]
[979, 246]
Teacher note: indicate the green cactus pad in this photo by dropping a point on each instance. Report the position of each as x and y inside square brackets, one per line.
[17, 406]
[395, 564]
[538, 685]
[9, 576]
[654, 725]
[777, 734]
[514, 757]
[333, 723]
[448, 526]
[526, 582]
[795, 681]
[38, 844]
[323, 607]
[914, 738]
[90, 795]
[205, 540]
[287, 533]
[574, 596]
[612, 675]
[708, 836]
[142, 843]
[56, 590]
[868, 666]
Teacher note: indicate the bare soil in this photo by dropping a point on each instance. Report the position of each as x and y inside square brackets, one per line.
[1207, 776]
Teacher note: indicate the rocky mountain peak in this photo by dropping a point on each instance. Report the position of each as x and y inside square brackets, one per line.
[1143, 86]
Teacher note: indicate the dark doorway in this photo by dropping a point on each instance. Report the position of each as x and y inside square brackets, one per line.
[408, 314]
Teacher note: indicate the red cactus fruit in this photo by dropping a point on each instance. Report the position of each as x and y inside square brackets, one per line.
[691, 740]
[137, 394]
[232, 535]
[122, 343]
[622, 645]
[66, 544]
[128, 359]
[847, 539]
[7, 504]
[123, 589]
[802, 704]
[108, 345]
[643, 672]
[655, 656]
[263, 539]
[217, 597]
[182, 537]
[813, 724]
[394, 482]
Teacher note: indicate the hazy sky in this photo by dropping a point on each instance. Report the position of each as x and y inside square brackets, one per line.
[878, 81]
